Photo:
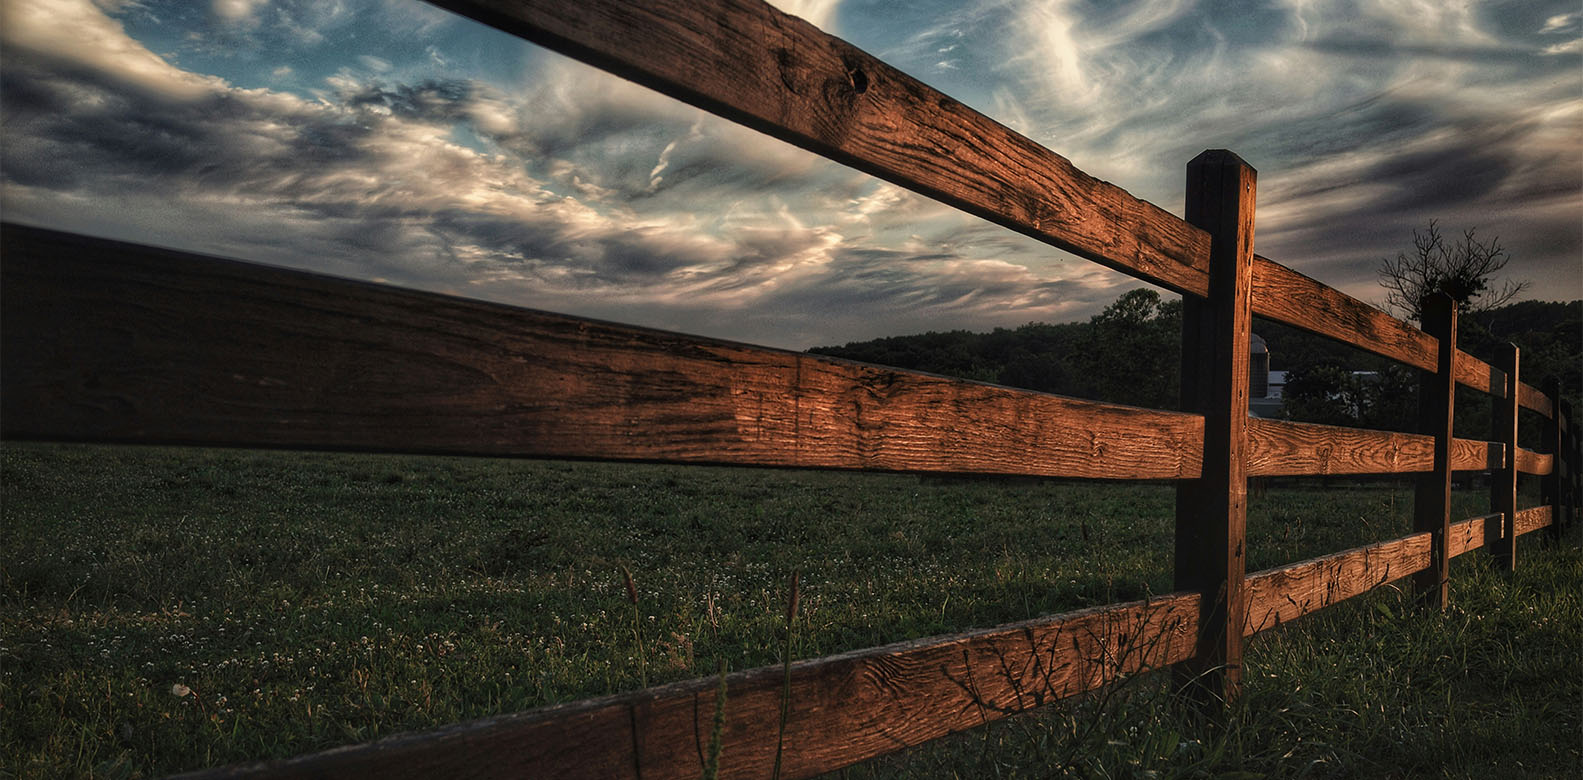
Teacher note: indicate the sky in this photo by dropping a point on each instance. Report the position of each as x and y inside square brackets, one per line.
[392, 141]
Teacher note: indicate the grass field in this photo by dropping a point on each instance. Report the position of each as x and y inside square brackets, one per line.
[169, 609]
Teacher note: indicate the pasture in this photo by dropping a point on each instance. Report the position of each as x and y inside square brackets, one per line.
[168, 609]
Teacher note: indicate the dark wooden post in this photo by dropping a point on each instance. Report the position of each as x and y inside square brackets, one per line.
[1211, 512]
[1570, 438]
[1551, 485]
[1436, 402]
[1565, 465]
[1503, 481]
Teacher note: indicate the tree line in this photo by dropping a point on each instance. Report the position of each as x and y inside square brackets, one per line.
[1130, 353]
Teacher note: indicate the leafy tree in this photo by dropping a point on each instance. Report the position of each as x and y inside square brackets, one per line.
[1550, 335]
[1134, 352]
[1127, 353]
[1036, 371]
[1464, 270]
[1328, 392]
[1323, 393]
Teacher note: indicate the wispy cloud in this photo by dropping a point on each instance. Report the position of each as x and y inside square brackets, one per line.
[237, 11]
[415, 161]
[582, 194]
[1366, 118]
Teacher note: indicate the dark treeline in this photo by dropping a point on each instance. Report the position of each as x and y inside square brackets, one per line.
[1329, 382]
[1130, 353]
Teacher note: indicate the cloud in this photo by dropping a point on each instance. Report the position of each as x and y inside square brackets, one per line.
[1562, 23]
[576, 191]
[76, 36]
[583, 194]
[1573, 46]
[1366, 118]
[278, 28]
[374, 64]
[237, 11]
[819, 13]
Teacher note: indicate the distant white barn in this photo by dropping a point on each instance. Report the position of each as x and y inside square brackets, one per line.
[1265, 387]
[1277, 385]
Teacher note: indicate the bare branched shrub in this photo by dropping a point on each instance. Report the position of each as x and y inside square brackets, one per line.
[1464, 270]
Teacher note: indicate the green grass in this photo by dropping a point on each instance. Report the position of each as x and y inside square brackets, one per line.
[1370, 689]
[308, 600]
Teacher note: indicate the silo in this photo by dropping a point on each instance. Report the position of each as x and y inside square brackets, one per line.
[1258, 367]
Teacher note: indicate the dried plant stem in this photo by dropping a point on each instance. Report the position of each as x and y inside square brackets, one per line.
[791, 623]
[637, 627]
[718, 731]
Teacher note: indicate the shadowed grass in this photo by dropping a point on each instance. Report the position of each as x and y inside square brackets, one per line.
[1371, 688]
[309, 600]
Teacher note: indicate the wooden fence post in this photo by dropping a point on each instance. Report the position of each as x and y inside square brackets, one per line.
[1211, 512]
[1553, 484]
[1503, 481]
[1574, 463]
[1436, 404]
[1565, 466]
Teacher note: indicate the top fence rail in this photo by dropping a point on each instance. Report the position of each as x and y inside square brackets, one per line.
[753, 64]
[105, 341]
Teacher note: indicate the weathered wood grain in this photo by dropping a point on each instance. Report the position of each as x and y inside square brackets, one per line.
[1292, 298]
[1281, 595]
[1211, 512]
[1532, 398]
[61, 373]
[1473, 533]
[1465, 535]
[1534, 518]
[1284, 448]
[1436, 406]
[1478, 375]
[748, 62]
[1530, 462]
[104, 341]
[1476, 455]
[844, 708]
[1287, 296]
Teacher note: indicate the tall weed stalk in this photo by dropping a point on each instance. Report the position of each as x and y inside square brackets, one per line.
[791, 625]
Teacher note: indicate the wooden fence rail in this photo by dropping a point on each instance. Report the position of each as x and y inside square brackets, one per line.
[115, 342]
[112, 342]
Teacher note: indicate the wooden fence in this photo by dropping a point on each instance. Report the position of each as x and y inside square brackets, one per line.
[110, 342]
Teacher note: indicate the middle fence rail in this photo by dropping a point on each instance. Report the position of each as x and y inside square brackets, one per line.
[110, 342]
